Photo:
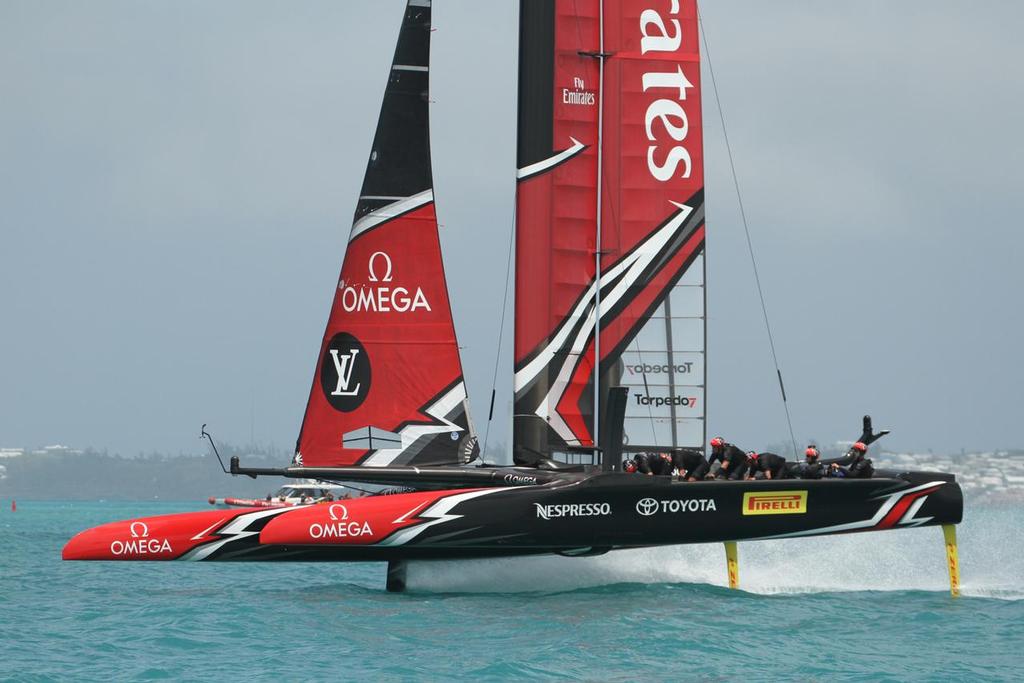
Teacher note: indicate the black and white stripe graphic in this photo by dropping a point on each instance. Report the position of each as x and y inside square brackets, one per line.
[558, 359]
[546, 165]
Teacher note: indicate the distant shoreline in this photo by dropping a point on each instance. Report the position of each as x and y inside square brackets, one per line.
[990, 478]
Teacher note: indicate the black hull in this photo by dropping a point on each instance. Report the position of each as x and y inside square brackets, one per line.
[511, 522]
[582, 514]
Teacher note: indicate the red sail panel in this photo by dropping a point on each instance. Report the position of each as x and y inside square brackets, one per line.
[653, 167]
[388, 387]
[652, 210]
[556, 211]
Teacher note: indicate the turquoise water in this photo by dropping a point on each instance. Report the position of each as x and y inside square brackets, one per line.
[867, 607]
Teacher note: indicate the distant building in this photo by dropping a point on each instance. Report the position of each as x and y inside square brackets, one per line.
[11, 452]
[57, 449]
[992, 476]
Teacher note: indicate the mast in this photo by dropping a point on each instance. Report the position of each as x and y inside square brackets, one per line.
[597, 239]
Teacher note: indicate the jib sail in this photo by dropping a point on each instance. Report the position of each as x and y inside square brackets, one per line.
[610, 140]
[388, 387]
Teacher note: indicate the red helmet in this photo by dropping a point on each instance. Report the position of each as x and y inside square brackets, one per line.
[751, 455]
[860, 447]
[628, 466]
[717, 442]
[812, 452]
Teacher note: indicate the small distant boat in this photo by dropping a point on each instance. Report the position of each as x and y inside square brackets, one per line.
[290, 495]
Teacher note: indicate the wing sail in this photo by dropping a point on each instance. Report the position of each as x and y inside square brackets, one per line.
[389, 362]
[638, 120]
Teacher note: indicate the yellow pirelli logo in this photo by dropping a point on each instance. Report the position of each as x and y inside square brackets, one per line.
[775, 503]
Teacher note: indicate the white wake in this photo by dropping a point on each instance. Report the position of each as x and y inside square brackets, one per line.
[991, 564]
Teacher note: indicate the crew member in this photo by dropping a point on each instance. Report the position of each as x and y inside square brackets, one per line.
[654, 463]
[861, 466]
[667, 466]
[765, 466]
[727, 456]
[646, 464]
[691, 463]
[811, 467]
[629, 466]
[643, 463]
[738, 471]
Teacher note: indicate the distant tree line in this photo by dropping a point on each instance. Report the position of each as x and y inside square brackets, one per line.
[98, 475]
[94, 475]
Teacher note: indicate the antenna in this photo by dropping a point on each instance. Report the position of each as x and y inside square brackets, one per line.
[203, 434]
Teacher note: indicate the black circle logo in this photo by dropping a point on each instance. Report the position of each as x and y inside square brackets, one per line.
[345, 373]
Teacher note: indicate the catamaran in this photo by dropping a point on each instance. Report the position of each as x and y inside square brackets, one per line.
[609, 350]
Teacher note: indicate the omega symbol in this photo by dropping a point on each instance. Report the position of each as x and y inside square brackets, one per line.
[372, 266]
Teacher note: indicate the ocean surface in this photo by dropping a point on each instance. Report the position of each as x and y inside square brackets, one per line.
[861, 607]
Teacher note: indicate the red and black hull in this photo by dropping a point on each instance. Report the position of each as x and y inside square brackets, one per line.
[581, 515]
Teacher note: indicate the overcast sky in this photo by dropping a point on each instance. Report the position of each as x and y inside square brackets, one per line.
[177, 182]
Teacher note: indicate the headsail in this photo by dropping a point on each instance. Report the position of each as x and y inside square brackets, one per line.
[388, 387]
[642, 128]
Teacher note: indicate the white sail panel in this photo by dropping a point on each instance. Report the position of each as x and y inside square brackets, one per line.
[663, 369]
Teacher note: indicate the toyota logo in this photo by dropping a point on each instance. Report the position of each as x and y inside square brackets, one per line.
[647, 506]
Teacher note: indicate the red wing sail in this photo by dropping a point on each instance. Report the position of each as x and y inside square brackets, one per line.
[388, 387]
[651, 316]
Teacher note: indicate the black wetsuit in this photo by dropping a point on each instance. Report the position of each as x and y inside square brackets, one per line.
[652, 463]
[690, 463]
[728, 454]
[739, 470]
[640, 460]
[861, 468]
[664, 466]
[769, 462]
[809, 470]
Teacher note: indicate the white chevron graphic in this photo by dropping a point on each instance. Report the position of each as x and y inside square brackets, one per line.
[630, 269]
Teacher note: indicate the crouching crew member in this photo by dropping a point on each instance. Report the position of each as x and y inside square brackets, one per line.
[654, 463]
[691, 463]
[738, 471]
[765, 466]
[810, 468]
[725, 459]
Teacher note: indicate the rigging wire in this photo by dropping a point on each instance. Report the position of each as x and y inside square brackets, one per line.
[501, 332]
[505, 301]
[746, 230]
[647, 390]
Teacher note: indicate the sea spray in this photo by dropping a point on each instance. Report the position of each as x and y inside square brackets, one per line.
[563, 618]
[905, 559]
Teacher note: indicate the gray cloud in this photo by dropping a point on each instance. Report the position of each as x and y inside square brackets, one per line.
[177, 183]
